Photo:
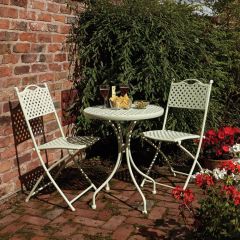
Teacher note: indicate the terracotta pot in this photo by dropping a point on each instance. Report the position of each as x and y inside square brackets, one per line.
[211, 163]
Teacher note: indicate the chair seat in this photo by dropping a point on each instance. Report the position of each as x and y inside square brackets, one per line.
[74, 143]
[168, 135]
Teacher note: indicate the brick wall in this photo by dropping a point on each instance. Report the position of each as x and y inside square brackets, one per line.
[32, 51]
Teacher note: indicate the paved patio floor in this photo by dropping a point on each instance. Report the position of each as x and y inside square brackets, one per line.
[116, 217]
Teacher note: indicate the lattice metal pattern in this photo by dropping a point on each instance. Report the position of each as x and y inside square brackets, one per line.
[36, 101]
[168, 135]
[19, 125]
[188, 95]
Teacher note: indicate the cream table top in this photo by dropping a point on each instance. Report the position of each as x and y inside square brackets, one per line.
[132, 114]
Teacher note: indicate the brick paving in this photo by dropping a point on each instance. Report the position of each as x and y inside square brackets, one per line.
[116, 218]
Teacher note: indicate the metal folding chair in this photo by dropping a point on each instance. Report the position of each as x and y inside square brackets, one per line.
[187, 94]
[35, 102]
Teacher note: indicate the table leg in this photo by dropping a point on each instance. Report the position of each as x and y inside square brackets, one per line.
[118, 133]
[130, 163]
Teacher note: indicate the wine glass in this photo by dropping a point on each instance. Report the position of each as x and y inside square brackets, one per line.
[104, 91]
[124, 88]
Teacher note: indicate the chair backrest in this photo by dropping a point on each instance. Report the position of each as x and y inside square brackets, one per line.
[189, 94]
[36, 102]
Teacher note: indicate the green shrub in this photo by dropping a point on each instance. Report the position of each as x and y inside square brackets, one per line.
[146, 44]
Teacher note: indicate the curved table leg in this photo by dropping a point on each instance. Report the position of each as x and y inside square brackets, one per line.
[118, 133]
[130, 163]
[141, 173]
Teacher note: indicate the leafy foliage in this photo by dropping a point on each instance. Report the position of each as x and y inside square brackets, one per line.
[146, 44]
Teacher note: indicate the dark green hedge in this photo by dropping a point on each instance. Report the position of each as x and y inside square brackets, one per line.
[146, 44]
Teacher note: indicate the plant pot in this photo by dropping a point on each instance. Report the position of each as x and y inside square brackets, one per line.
[211, 163]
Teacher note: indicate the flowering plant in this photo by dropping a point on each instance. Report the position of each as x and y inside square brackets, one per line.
[218, 213]
[217, 144]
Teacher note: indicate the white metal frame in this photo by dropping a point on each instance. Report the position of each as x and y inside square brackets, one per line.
[116, 118]
[188, 94]
[36, 101]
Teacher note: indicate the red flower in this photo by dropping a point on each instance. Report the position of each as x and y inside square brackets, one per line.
[230, 166]
[211, 132]
[177, 192]
[228, 130]
[230, 190]
[216, 144]
[221, 134]
[203, 180]
[237, 199]
[186, 196]
[225, 148]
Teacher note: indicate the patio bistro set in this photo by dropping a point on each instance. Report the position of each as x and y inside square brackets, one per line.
[36, 101]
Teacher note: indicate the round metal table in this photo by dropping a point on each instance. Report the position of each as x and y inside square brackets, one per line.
[115, 117]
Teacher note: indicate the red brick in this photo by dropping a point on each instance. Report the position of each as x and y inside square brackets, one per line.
[139, 221]
[6, 2]
[88, 221]
[8, 12]
[46, 38]
[5, 48]
[38, 26]
[6, 165]
[34, 220]
[39, 238]
[9, 82]
[21, 48]
[44, 17]
[9, 219]
[55, 67]
[123, 232]
[53, 214]
[39, 68]
[46, 58]
[59, 38]
[55, 47]
[12, 228]
[29, 58]
[19, 3]
[66, 66]
[138, 237]
[29, 80]
[52, 28]
[64, 29]
[65, 9]
[37, 48]
[9, 176]
[93, 231]
[46, 77]
[27, 14]
[8, 36]
[4, 24]
[157, 212]
[19, 25]
[60, 57]
[5, 71]
[29, 37]
[38, 5]
[114, 222]
[21, 69]
[53, 7]
[10, 58]
[6, 109]
[66, 230]
[59, 18]
[24, 158]
[61, 75]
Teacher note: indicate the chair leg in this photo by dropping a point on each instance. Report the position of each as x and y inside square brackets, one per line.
[76, 161]
[149, 168]
[158, 150]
